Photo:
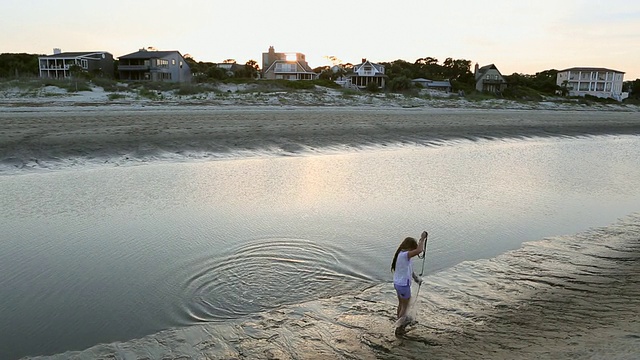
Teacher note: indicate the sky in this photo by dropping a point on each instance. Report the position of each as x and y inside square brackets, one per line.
[518, 36]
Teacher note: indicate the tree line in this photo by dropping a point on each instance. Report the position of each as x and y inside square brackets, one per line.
[399, 74]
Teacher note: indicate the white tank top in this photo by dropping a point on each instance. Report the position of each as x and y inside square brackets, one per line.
[404, 269]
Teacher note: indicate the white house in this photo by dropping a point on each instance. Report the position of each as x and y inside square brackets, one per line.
[367, 72]
[60, 63]
[600, 82]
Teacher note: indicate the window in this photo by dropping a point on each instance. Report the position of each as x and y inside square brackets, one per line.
[283, 67]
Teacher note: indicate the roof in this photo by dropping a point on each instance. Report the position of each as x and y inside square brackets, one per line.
[488, 67]
[303, 65]
[433, 83]
[378, 67]
[483, 70]
[590, 69]
[146, 54]
[445, 83]
[66, 55]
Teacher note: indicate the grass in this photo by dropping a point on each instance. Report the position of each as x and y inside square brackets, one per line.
[116, 96]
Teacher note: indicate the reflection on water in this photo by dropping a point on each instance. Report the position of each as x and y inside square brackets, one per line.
[114, 254]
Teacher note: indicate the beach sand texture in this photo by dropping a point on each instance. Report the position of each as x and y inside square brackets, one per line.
[49, 137]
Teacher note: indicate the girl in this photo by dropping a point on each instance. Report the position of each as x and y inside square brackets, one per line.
[403, 271]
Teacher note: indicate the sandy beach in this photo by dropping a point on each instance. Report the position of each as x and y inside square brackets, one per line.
[37, 130]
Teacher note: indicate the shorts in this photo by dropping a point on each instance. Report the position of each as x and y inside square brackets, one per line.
[403, 291]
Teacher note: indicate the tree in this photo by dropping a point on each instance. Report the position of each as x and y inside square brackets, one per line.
[456, 69]
[427, 61]
[76, 71]
[253, 64]
[634, 88]
[543, 82]
[16, 65]
[400, 83]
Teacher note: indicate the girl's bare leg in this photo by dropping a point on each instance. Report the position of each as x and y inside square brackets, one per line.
[403, 304]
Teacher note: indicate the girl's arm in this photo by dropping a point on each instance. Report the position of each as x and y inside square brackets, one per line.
[420, 248]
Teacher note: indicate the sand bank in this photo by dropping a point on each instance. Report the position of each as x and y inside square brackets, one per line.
[32, 137]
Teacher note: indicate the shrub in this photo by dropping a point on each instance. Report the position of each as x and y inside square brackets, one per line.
[190, 90]
[522, 93]
[116, 96]
[106, 84]
[372, 87]
[297, 85]
[399, 83]
[150, 94]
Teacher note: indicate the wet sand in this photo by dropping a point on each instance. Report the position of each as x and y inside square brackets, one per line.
[38, 136]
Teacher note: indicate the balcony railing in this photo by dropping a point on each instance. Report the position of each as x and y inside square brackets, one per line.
[133, 67]
[54, 67]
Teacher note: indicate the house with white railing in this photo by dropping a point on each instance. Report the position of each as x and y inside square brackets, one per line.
[61, 65]
[287, 66]
[367, 72]
[600, 82]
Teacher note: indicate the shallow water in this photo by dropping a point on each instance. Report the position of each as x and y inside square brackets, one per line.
[114, 254]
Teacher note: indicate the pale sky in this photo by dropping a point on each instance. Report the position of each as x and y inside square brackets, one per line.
[516, 35]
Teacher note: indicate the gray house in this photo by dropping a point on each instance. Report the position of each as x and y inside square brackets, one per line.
[442, 85]
[151, 65]
[489, 79]
[58, 65]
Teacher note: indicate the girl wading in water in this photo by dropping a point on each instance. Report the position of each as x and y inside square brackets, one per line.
[403, 273]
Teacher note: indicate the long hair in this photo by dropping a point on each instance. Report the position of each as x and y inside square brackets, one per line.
[406, 245]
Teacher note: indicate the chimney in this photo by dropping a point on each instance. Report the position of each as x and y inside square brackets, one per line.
[57, 51]
[364, 60]
[476, 69]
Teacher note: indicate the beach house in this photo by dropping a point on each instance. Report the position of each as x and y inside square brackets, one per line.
[287, 66]
[60, 65]
[154, 65]
[600, 82]
[489, 79]
[439, 85]
[367, 72]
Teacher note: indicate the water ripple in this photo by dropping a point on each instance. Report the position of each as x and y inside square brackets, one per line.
[260, 273]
